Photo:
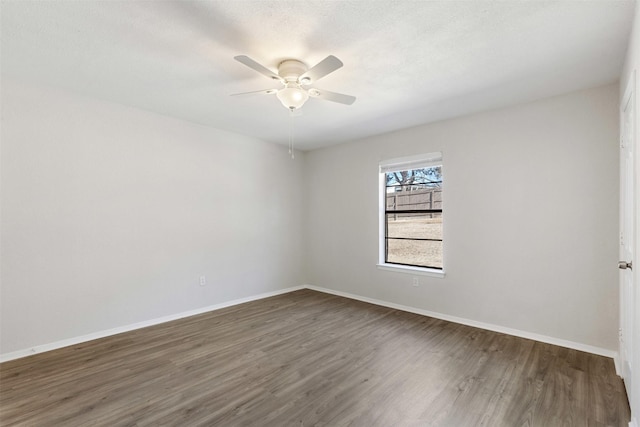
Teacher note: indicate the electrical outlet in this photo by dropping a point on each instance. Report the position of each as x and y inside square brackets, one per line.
[203, 280]
[416, 283]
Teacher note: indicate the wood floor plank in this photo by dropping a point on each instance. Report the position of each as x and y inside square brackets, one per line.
[311, 359]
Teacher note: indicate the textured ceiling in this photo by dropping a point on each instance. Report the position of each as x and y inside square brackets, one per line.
[407, 62]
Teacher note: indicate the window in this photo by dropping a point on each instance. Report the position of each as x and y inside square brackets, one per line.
[411, 212]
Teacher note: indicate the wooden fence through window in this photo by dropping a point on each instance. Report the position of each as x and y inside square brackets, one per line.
[423, 198]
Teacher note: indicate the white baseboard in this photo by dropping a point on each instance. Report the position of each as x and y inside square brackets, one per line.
[496, 328]
[488, 326]
[616, 363]
[102, 334]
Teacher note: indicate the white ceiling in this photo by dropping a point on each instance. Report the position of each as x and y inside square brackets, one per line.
[407, 62]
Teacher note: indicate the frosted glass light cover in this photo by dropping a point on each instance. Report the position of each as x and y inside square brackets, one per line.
[292, 96]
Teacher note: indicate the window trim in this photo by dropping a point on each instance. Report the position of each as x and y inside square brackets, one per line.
[402, 163]
[415, 271]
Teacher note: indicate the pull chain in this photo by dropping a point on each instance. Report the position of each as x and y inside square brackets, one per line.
[291, 135]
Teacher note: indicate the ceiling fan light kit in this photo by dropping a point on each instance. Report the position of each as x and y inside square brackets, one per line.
[293, 74]
[292, 96]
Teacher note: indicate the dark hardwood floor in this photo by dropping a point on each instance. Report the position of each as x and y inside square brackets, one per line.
[312, 359]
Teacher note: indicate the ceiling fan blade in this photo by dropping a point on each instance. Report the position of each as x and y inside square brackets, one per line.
[257, 92]
[257, 67]
[322, 68]
[332, 96]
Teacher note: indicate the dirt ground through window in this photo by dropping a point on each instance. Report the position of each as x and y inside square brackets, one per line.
[415, 252]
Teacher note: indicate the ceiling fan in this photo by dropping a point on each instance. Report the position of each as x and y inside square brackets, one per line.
[295, 77]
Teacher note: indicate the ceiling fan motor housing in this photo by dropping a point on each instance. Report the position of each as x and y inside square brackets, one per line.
[290, 70]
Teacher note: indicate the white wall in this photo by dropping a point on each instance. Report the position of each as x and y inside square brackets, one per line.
[111, 214]
[632, 63]
[530, 217]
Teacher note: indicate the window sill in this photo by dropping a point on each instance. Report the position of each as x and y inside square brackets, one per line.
[432, 272]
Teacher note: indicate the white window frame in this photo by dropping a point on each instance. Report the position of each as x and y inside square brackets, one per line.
[391, 165]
